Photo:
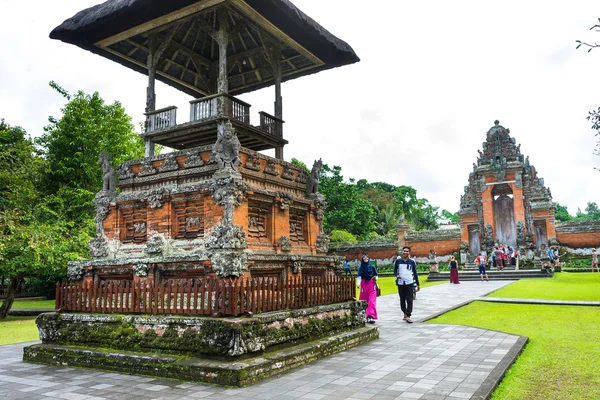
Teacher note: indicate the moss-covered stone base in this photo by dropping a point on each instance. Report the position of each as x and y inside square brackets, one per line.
[230, 373]
[197, 336]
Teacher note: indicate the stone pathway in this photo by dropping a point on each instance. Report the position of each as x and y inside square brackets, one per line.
[418, 361]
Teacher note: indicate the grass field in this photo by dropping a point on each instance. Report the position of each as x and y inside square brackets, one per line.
[33, 304]
[563, 286]
[562, 357]
[17, 330]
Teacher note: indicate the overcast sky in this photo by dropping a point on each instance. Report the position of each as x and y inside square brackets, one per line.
[433, 77]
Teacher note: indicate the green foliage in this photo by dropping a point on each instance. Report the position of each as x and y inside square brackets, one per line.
[342, 235]
[299, 163]
[452, 218]
[592, 213]
[562, 214]
[346, 210]
[72, 144]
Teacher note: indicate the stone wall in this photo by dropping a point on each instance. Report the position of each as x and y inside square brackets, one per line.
[578, 235]
[444, 242]
[383, 252]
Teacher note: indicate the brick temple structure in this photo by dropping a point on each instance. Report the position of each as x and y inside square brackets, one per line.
[505, 201]
[209, 262]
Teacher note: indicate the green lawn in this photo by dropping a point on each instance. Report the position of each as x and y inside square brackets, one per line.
[17, 330]
[33, 304]
[562, 357]
[562, 286]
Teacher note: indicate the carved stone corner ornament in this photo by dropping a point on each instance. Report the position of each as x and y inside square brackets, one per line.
[226, 236]
[322, 244]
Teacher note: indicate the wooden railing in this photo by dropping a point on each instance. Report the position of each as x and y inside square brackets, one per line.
[208, 107]
[160, 119]
[271, 124]
[205, 296]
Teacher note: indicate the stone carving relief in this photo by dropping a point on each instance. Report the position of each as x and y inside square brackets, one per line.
[288, 173]
[226, 150]
[156, 198]
[520, 233]
[270, 168]
[322, 244]
[76, 270]
[227, 237]
[140, 270]
[252, 162]
[313, 180]
[227, 264]
[108, 174]
[285, 244]
[155, 245]
[319, 208]
[302, 177]
[147, 169]
[102, 204]
[98, 247]
[124, 172]
[297, 266]
[284, 200]
[229, 193]
[170, 164]
[193, 160]
[139, 227]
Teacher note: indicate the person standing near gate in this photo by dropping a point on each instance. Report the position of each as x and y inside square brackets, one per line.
[405, 270]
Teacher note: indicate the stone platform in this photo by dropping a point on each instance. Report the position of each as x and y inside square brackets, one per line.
[225, 351]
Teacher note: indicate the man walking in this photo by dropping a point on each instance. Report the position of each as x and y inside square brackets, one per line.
[405, 270]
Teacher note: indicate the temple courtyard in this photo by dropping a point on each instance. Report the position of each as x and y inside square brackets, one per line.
[418, 361]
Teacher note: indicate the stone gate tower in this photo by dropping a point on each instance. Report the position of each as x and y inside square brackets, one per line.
[505, 200]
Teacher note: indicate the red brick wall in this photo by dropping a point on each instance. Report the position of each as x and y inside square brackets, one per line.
[376, 253]
[441, 247]
[579, 240]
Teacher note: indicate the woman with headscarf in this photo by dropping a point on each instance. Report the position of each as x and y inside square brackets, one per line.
[368, 279]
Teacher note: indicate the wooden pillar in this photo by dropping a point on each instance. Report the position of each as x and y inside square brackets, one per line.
[274, 57]
[222, 39]
[154, 55]
[150, 94]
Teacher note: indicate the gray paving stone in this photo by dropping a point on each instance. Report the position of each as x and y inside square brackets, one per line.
[409, 361]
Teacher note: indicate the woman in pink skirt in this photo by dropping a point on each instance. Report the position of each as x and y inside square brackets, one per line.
[368, 279]
[453, 270]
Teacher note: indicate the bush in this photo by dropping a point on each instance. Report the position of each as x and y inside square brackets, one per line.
[46, 285]
[342, 236]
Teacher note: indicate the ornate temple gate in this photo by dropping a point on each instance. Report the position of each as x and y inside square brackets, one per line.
[504, 215]
[505, 198]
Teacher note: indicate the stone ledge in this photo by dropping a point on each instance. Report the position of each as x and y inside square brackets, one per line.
[236, 373]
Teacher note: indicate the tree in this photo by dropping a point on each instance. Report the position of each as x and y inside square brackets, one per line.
[594, 115]
[72, 145]
[562, 214]
[452, 218]
[31, 241]
[345, 210]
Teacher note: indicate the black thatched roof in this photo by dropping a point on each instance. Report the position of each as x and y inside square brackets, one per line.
[104, 20]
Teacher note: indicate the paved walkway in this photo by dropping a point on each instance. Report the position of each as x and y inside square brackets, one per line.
[418, 361]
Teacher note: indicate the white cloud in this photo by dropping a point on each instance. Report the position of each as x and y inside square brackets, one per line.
[433, 77]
